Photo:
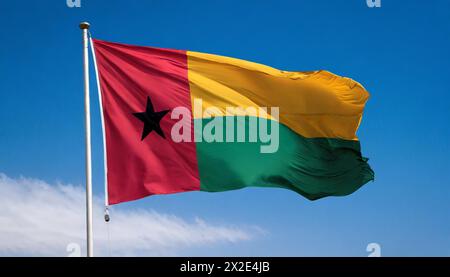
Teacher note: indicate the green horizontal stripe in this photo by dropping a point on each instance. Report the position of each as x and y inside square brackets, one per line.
[312, 167]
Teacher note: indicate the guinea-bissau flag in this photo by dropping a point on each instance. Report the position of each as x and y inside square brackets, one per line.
[318, 153]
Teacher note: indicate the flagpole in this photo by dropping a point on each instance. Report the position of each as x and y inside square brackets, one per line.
[84, 26]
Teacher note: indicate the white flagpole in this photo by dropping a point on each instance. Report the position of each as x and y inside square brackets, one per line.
[87, 120]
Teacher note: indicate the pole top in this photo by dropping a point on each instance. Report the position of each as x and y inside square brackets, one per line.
[84, 25]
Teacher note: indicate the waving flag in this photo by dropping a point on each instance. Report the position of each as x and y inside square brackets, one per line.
[179, 121]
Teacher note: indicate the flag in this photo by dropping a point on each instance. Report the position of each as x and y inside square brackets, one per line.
[178, 121]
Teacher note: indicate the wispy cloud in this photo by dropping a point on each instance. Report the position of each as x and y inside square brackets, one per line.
[37, 218]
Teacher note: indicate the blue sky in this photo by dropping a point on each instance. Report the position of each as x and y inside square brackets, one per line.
[399, 52]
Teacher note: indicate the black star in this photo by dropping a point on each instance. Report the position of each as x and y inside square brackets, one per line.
[151, 120]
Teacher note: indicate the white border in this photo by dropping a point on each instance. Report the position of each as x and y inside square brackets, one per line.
[105, 165]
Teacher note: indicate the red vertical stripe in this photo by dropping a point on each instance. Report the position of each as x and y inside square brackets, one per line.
[128, 75]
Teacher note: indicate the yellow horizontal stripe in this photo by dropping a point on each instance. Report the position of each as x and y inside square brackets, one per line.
[313, 104]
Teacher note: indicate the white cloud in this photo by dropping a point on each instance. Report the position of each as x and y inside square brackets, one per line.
[37, 218]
